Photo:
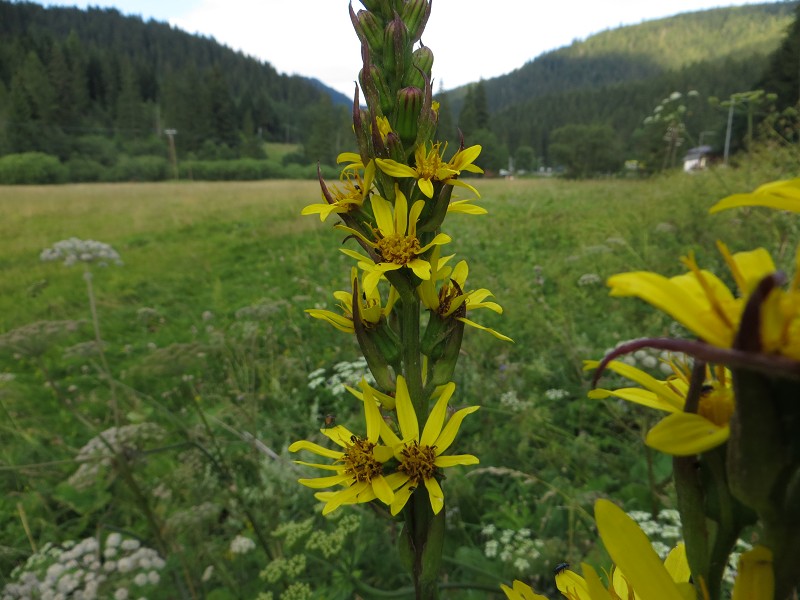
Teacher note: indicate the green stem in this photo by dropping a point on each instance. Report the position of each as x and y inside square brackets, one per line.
[691, 495]
[426, 531]
[410, 343]
[728, 530]
[87, 275]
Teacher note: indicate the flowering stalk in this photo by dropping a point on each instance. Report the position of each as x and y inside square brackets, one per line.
[392, 199]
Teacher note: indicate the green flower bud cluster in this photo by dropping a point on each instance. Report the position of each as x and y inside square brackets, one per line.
[395, 78]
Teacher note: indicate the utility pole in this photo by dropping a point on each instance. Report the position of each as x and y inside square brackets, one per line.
[171, 133]
[728, 132]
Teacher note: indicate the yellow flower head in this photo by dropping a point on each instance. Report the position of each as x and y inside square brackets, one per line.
[395, 242]
[639, 573]
[702, 303]
[358, 466]
[680, 433]
[451, 300]
[429, 166]
[350, 196]
[421, 457]
[520, 591]
[371, 308]
[781, 195]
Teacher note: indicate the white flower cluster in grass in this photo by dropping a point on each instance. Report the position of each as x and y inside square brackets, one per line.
[556, 394]
[732, 568]
[343, 373]
[664, 533]
[34, 339]
[98, 453]
[242, 545]
[512, 401]
[88, 570]
[588, 279]
[514, 547]
[75, 250]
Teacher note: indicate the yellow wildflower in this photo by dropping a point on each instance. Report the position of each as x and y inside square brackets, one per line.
[782, 195]
[430, 166]
[451, 300]
[355, 190]
[639, 573]
[421, 456]
[395, 241]
[371, 309]
[701, 302]
[680, 433]
[358, 467]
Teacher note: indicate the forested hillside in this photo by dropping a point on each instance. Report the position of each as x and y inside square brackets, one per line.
[70, 80]
[616, 79]
[108, 97]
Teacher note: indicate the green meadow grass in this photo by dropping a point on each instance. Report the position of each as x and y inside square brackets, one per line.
[202, 258]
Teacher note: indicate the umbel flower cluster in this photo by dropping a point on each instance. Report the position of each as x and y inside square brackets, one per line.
[408, 301]
[116, 567]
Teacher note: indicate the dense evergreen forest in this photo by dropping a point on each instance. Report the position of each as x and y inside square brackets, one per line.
[617, 78]
[91, 86]
[112, 97]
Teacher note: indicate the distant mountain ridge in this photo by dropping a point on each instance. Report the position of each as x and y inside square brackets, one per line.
[617, 77]
[648, 49]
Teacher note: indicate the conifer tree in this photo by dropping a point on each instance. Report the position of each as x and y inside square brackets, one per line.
[782, 76]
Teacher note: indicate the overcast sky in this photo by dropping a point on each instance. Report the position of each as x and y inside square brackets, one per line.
[470, 39]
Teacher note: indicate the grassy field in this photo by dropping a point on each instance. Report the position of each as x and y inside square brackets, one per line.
[206, 338]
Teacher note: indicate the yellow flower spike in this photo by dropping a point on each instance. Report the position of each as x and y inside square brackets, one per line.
[520, 591]
[358, 466]
[396, 240]
[629, 548]
[421, 457]
[756, 580]
[780, 195]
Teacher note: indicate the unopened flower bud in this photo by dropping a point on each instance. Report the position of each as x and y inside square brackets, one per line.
[396, 50]
[409, 104]
[415, 16]
[445, 365]
[375, 89]
[378, 6]
[395, 147]
[423, 59]
[369, 30]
